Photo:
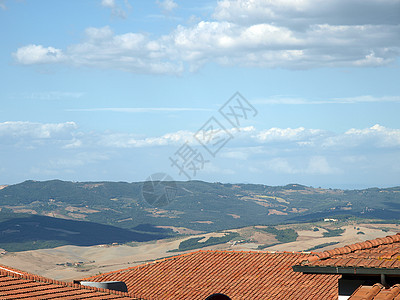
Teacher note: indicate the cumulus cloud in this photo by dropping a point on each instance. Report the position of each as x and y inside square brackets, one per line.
[37, 54]
[376, 136]
[250, 141]
[289, 134]
[118, 140]
[278, 33]
[133, 52]
[245, 142]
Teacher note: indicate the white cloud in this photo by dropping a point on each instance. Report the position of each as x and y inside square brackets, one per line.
[376, 136]
[289, 134]
[37, 54]
[133, 52]
[118, 140]
[3, 4]
[167, 5]
[383, 137]
[247, 142]
[108, 3]
[36, 130]
[370, 60]
[256, 33]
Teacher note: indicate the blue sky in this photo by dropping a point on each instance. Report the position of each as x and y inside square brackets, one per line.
[112, 90]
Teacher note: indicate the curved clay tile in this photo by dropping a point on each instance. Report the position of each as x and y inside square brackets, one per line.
[370, 245]
[359, 246]
[374, 243]
[346, 249]
[309, 260]
[331, 252]
[380, 241]
[324, 254]
[337, 251]
[353, 247]
[377, 287]
[395, 239]
[396, 290]
[387, 240]
[390, 237]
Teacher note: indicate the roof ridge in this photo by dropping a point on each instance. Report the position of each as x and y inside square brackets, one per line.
[389, 239]
[257, 251]
[192, 253]
[11, 272]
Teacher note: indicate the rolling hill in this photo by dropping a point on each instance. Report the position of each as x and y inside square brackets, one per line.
[198, 206]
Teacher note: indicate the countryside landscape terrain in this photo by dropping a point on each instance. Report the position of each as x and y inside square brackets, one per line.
[68, 230]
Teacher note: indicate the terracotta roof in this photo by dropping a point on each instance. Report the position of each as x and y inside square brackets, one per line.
[16, 284]
[381, 253]
[240, 275]
[377, 291]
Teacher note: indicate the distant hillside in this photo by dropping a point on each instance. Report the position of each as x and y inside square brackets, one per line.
[198, 205]
[25, 232]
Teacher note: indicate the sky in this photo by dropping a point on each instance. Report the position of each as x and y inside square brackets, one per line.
[240, 91]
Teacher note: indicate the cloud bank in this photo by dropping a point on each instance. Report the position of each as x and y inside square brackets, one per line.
[376, 136]
[251, 33]
[295, 154]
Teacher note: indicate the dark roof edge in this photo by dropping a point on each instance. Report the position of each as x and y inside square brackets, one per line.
[345, 270]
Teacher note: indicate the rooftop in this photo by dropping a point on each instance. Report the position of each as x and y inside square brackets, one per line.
[378, 256]
[16, 284]
[238, 274]
[377, 291]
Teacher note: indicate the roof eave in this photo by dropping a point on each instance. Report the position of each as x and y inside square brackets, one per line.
[345, 270]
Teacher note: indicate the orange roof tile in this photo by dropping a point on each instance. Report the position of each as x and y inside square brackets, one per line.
[240, 275]
[376, 292]
[381, 253]
[16, 284]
